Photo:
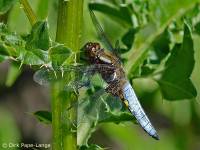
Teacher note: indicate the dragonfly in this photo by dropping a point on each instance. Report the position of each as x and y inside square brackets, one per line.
[108, 65]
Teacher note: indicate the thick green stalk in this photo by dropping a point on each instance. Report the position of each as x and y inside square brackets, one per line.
[29, 12]
[70, 23]
[69, 26]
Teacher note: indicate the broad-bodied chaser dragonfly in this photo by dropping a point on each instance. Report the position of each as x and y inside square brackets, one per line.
[109, 66]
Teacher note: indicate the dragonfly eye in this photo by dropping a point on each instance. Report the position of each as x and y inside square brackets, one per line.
[97, 46]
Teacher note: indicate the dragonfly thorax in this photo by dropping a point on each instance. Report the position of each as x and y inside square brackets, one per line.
[99, 56]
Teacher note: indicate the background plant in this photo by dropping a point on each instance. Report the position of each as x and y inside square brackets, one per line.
[159, 48]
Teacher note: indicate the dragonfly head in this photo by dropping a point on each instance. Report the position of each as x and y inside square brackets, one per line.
[92, 50]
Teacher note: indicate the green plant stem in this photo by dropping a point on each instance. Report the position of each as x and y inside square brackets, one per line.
[29, 12]
[69, 26]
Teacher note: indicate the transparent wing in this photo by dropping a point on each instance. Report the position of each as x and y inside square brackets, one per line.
[80, 75]
[98, 107]
[100, 31]
[103, 37]
[88, 109]
[117, 46]
[45, 76]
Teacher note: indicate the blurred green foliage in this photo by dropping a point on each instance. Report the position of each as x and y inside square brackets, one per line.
[9, 133]
[5, 5]
[159, 47]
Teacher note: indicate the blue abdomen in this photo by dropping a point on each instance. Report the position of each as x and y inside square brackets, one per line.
[137, 110]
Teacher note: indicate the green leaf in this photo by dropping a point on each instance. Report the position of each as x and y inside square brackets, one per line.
[32, 57]
[104, 108]
[175, 82]
[43, 116]
[3, 50]
[14, 46]
[5, 5]
[9, 41]
[39, 37]
[99, 108]
[13, 73]
[59, 54]
[114, 110]
[116, 117]
[4, 55]
[121, 15]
